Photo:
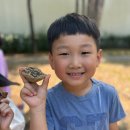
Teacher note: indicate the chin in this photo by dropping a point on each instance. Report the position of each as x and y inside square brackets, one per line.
[75, 84]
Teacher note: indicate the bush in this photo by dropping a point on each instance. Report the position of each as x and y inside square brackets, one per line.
[41, 40]
[115, 42]
[22, 44]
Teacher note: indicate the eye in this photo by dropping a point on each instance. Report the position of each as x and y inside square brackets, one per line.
[64, 54]
[85, 52]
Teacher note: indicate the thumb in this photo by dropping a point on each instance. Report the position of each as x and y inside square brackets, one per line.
[42, 89]
[45, 81]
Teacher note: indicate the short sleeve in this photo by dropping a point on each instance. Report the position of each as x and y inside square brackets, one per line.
[50, 122]
[116, 109]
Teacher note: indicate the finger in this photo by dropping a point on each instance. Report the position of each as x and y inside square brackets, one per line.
[6, 111]
[27, 84]
[32, 87]
[4, 100]
[27, 92]
[3, 106]
[45, 81]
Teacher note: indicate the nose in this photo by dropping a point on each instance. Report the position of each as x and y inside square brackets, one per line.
[75, 62]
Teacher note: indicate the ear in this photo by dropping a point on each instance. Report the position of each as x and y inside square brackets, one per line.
[99, 57]
[51, 60]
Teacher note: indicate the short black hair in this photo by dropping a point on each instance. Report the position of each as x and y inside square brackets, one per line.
[71, 24]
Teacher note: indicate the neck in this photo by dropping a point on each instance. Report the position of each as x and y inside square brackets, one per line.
[79, 90]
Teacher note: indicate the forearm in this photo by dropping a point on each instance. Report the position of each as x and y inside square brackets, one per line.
[5, 129]
[38, 120]
[113, 126]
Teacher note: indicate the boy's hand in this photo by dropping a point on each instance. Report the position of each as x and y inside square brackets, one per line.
[6, 114]
[33, 94]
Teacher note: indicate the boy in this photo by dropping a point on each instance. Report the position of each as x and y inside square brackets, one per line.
[78, 102]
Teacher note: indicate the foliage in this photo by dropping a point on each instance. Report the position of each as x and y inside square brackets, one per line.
[22, 44]
[115, 42]
[42, 42]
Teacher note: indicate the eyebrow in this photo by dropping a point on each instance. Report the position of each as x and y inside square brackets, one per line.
[86, 45]
[82, 46]
[61, 47]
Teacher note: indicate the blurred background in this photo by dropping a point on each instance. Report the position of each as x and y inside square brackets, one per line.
[23, 27]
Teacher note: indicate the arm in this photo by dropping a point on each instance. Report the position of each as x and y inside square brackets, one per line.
[113, 126]
[116, 111]
[38, 120]
[35, 96]
[38, 113]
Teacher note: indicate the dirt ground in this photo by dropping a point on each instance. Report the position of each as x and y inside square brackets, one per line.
[107, 72]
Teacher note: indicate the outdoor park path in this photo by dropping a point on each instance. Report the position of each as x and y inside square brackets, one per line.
[42, 58]
[124, 58]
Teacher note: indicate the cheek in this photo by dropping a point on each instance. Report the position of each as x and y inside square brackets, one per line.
[59, 68]
[90, 69]
[91, 64]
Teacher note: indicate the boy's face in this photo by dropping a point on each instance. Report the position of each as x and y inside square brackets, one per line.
[74, 59]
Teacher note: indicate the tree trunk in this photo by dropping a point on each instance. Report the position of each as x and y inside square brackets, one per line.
[77, 6]
[95, 8]
[32, 35]
[83, 7]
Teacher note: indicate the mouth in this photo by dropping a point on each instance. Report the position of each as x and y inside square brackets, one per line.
[76, 75]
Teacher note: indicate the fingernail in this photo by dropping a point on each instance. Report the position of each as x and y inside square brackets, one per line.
[31, 94]
[34, 93]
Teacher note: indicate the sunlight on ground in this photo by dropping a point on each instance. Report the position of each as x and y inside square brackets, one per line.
[114, 74]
